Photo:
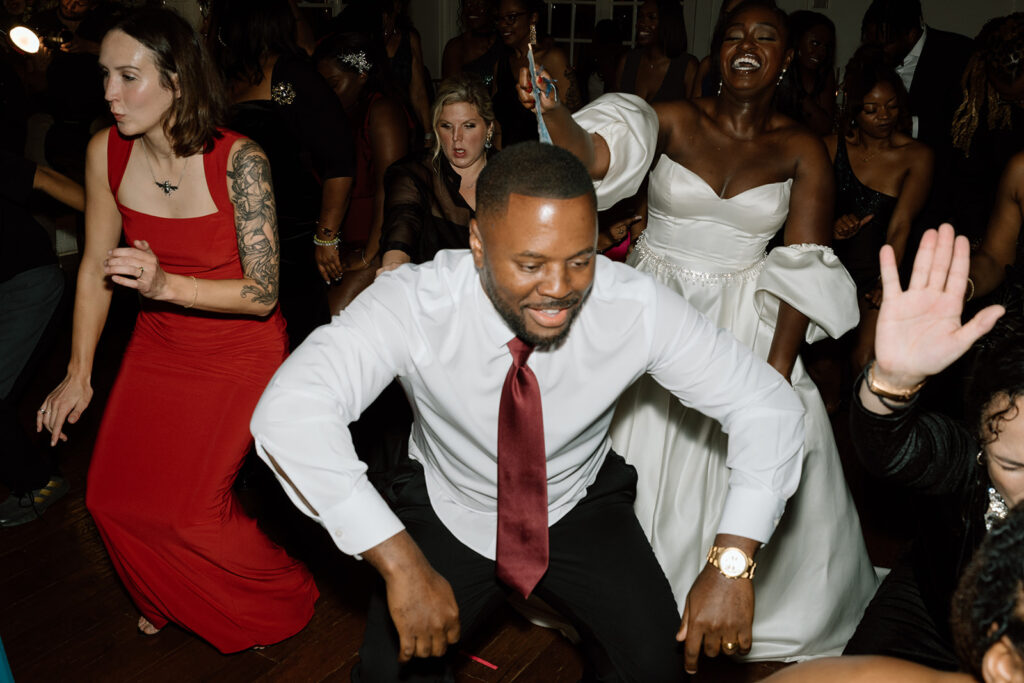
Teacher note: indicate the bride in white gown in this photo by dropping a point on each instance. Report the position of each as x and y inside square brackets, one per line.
[729, 173]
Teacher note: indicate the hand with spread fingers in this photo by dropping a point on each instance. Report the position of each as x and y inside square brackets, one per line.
[137, 267]
[919, 330]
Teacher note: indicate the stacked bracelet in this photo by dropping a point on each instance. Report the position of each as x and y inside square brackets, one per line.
[195, 291]
[326, 243]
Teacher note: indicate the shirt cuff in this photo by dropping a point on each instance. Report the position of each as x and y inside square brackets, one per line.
[361, 521]
[751, 513]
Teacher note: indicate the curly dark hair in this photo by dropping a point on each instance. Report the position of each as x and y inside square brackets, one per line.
[997, 374]
[988, 602]
[998, 54]
[866, 69]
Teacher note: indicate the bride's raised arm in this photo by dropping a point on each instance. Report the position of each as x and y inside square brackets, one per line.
[616, 138]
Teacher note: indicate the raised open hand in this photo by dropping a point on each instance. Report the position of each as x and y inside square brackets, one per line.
[919, 332]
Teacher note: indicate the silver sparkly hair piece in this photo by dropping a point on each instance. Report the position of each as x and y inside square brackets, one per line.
[357, 60]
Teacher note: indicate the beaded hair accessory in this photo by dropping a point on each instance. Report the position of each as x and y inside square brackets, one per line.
[357, 60]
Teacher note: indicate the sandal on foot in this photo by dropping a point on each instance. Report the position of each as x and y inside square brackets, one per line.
[146, 627]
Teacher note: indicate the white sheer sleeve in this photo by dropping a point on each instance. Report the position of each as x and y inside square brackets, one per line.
[630, 127]
[810, 278]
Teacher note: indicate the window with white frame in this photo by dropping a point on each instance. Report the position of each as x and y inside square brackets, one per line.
[571, 22]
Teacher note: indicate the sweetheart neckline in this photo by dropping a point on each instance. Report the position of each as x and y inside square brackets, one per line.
[707, 185]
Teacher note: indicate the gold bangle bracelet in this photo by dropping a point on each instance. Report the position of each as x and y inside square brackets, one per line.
[888, 392]
[195, 291]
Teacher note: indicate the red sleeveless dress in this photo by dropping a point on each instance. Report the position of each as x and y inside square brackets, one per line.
[174, 434]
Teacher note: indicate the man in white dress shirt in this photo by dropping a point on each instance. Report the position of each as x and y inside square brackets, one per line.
[445, 329]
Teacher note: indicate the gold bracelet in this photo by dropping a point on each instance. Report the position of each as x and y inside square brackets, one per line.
[970, 290]
[195, 291]
[883, 391]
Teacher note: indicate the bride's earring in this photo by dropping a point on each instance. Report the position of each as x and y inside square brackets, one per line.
[533, 34]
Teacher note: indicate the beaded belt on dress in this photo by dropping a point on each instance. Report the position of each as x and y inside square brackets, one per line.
[664, 268]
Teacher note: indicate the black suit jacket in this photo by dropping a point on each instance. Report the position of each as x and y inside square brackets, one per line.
[935, 92]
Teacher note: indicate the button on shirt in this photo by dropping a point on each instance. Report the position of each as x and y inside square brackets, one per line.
[434, 327]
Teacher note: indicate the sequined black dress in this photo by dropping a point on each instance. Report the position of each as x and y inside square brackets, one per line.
[860, 253]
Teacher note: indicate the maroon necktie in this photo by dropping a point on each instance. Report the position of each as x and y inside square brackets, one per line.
[522, 556]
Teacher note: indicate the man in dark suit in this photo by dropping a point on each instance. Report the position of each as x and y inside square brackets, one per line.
[931, 63]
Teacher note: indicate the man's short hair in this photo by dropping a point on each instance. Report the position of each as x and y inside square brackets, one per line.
[531, 169]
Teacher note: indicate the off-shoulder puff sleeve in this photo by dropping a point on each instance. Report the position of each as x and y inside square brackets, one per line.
[810, 278]
[630, 127]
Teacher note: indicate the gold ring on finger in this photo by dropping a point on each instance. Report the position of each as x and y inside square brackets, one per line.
[729, 646]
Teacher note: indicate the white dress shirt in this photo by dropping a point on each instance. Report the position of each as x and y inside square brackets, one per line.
[906, 71]
[434, 327]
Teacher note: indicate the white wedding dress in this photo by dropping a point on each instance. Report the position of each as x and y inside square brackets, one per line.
[813, 578]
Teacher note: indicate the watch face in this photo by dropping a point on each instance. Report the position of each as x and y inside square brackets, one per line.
[732, 562]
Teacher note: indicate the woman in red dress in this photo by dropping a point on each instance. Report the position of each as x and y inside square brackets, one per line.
[197, 209]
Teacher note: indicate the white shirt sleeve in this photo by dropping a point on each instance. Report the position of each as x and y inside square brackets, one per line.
[630, 127]
[710, 370]
[301, 422]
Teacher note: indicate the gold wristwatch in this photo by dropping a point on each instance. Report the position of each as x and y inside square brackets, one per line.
[732, 562]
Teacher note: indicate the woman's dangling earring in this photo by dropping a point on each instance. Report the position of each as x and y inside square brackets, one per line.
[720, 81]
[978, 457]
[533, 34]
[487, 140]
[781, 76]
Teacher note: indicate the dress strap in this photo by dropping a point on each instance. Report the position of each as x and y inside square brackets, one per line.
[215, 163]
[119, 150]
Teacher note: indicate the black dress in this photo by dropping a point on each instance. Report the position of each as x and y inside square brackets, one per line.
[930, 454]
[672, 88]
[518, 124]
[307, 139]
[860, 253]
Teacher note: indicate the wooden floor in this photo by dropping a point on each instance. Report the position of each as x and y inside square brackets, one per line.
[65, 617]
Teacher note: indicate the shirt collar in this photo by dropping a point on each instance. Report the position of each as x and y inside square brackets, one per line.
[915, 52]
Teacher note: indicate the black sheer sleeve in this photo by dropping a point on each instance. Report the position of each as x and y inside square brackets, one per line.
[406, 209]
[927, 452]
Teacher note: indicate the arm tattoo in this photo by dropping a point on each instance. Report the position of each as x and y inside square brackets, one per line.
[252, 195]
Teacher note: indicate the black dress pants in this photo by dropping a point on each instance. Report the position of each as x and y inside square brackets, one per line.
[602, 575]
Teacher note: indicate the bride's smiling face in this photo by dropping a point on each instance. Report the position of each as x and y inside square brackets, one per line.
[754, 50]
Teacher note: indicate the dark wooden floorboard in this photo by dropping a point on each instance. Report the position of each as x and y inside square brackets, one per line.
[65, 617]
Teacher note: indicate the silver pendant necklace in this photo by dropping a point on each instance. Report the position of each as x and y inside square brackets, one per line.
[165, 185]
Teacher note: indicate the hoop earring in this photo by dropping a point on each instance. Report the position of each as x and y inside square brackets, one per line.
[978, 458]
[533, 34]
[720, 81]
[782, 75]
